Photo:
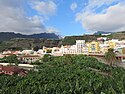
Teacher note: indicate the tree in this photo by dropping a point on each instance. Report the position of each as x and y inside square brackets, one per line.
[15, 48]
[68, 59]
[36, 48]
[38, 62]
[12, 59]
[110, 56]
[47, 58]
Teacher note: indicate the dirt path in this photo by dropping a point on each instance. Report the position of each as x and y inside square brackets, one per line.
[100, 72]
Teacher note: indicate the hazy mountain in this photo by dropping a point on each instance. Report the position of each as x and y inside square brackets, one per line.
[11, 35]
[18, 40]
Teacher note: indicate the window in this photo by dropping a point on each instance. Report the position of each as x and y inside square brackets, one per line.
[93, 47]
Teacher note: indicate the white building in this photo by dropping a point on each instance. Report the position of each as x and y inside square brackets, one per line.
[26, 52]
[40, 51]
[85, 50]
[29, 58]
[68, 49]
[79, 46]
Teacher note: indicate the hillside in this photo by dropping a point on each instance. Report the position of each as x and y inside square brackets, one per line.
[10, 35]
[118, 35]
[67, 75]
[28, 43]
[36, 40]
[70, 40]
[101, 32]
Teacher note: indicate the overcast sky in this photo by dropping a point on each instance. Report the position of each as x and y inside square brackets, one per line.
[66, 17]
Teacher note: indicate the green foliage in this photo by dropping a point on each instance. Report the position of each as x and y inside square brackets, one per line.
[47, 58]
[38, 62]
[60, 77]
[36, 48]
[110, 56]
[11, 59]
[70, 40]
[14, 48]
[28, 43]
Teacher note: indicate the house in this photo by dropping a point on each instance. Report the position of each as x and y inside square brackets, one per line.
[79, 46]
[29, 58]
[12, 70]
[9, 53]
[94, 47]
[103, 48]
[40, 51]
[56, 51]
[26, 52]
[68, 49]
[47, 50]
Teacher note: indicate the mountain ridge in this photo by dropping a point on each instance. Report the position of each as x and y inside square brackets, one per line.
[102, 32]
[10, 35]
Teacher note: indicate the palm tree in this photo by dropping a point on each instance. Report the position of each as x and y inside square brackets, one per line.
[110, 56]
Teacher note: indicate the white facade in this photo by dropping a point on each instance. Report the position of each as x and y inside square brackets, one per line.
[75, 49]
[27, 52]
[30, 58]
[79, 46]
[85, 50]
[40, 51]
[56, 50]
[68, 49]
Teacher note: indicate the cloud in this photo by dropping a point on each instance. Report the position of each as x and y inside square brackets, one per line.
[46, 8]
[52, 30]
[73, 6]
[13, 18]
[111, 18]
[93, 5]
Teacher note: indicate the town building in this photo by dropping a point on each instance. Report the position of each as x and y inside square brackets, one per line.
[112, 44]
[104, 47]
[85, 49]
[93, 47]
[40, 52]
[79, 46]
[100, 46]
[29, 58]
[12, 70]
[56, 51]
[68, 49]
[9, 53]
[27, 52]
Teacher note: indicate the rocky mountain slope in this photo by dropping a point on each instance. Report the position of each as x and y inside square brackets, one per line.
[10, 35]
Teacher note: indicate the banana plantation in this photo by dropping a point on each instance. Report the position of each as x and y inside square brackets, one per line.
[76, 74]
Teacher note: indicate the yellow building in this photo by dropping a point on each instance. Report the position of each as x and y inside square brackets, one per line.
[93, 47]
[112, 44]
[123, 50]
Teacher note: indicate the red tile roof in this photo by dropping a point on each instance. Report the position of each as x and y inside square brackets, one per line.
[14, 69]
[11, 69]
